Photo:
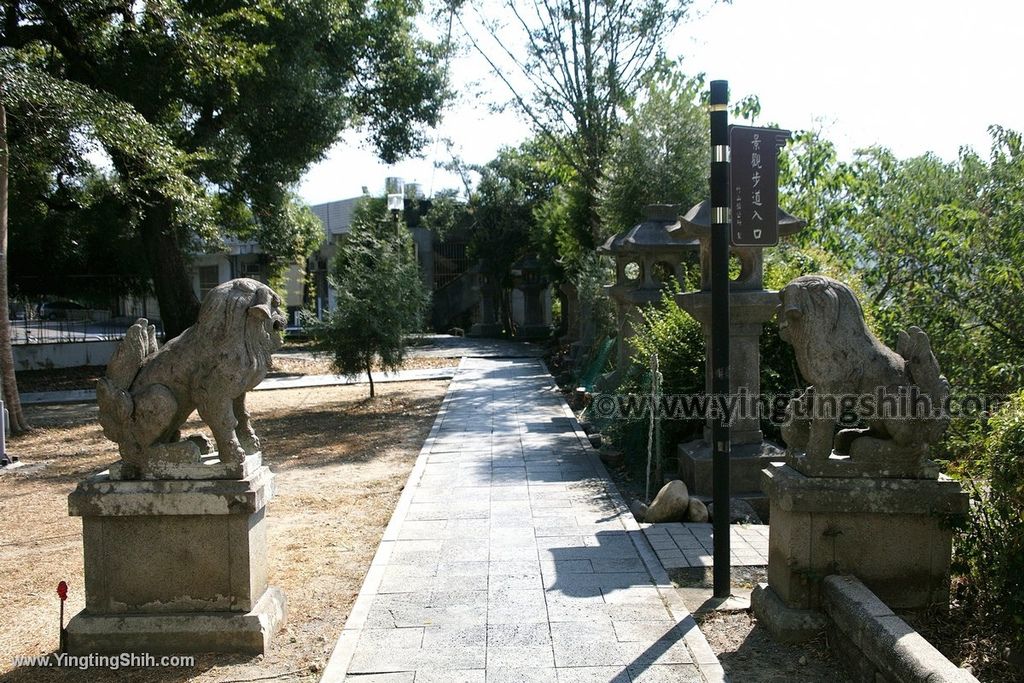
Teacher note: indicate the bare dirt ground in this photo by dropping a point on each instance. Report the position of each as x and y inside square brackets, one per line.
[749, 655]
[341, 462]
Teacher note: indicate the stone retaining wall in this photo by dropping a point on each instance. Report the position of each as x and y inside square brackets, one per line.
[875, 644]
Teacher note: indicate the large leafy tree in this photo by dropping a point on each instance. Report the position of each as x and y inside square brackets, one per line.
[42, 154]
[931, 242]
[570, 68]
[238, 97]
[659, 154]
[10, 382]
[504, 228]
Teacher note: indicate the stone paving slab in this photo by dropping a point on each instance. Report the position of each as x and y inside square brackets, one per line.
[683, 545]
[512, 557]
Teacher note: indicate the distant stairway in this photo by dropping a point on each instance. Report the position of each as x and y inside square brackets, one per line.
[453, 301]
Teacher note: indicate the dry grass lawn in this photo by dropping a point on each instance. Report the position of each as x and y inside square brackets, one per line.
[341, 462]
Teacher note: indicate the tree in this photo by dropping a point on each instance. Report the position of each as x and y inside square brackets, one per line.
[380, 296]
[246, 95]
[931, 242]
[580, 64]
[12, 398]
[660, 154]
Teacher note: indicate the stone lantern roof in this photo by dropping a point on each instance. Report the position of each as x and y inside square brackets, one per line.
[696, 224]
[652, 235]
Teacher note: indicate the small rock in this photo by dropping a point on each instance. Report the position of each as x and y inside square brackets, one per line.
[639, 510]
[740, 512]
[671, 503]
[202, 442]
[696, 511]
[612, 457]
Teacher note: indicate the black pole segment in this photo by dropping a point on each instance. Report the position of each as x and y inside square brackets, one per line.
[720, 329]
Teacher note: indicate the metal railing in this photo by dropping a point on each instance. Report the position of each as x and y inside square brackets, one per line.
[71, 331]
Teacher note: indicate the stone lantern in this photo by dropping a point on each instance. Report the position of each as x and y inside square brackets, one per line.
[531, 300]
[647, 258]
[488, 308]
[750, 306]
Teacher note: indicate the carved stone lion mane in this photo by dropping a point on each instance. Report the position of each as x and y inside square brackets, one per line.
[149, 392]
[839, 355]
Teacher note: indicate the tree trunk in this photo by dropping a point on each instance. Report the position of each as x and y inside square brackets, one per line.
[12, 398]
[172, 282]
[369, 375]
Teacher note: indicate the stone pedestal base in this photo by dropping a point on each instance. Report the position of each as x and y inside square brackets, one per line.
[785, 624]
[175, 565]
[895, 535]
[158, 634]
[745, 464]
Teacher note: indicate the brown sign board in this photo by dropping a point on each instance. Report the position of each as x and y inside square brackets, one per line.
[754, 185]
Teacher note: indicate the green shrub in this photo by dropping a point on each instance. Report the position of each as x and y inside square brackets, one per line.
[989, 549]
[676, 337]
[670, 332]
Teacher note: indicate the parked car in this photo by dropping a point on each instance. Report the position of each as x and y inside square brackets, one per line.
[58, 310]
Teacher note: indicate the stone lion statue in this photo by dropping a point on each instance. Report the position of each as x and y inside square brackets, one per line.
[149, 392]
[847, 365]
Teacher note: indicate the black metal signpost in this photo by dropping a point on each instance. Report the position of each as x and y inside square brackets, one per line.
[744, 213]
[720, 329]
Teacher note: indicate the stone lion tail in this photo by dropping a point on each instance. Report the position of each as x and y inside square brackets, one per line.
[923, 368]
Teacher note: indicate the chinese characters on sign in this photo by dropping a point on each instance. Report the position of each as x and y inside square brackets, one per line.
[753, 185]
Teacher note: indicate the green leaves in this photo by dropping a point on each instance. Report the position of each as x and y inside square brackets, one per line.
[659, 155]
[60, 112]
[380, 295]
[211, 109]
[932, 243]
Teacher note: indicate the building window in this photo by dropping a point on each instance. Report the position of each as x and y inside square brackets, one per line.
[252, 269]
[209, 277]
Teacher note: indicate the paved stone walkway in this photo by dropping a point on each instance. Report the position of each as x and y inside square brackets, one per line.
[679, 546]
[511, 557]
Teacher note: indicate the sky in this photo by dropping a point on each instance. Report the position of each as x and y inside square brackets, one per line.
[915, 76]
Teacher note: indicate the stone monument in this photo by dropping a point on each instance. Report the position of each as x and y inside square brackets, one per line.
[530, 290]
[647, 258]
[488, 308]
[174, 534]
[865, 500]
[750, 306]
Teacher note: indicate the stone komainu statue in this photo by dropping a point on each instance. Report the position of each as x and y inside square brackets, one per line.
[823, 321]
[149, 392]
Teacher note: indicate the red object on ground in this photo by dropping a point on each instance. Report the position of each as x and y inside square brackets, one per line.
[62, 590]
